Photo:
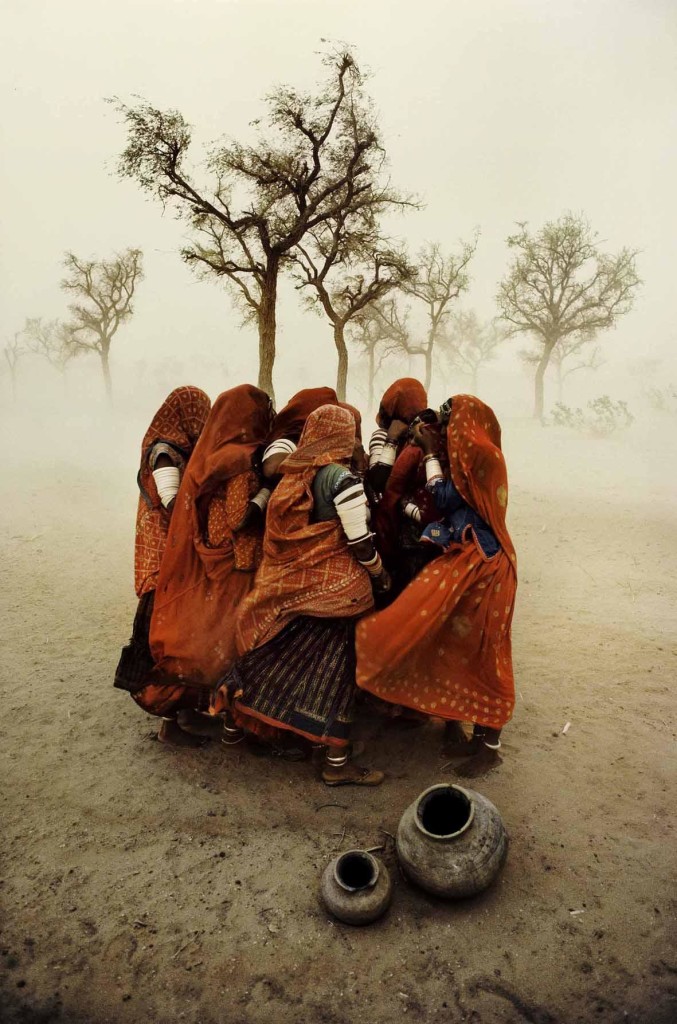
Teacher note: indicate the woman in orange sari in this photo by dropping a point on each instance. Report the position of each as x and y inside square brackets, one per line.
[444, 647]
[165, 451]
[208, 568]
[296, 629]
[400, 405]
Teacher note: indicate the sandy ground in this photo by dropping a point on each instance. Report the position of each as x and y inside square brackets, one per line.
[142, 884]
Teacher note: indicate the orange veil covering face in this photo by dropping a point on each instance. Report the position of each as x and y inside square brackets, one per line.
[404, 399]
[290, 421]
[307, 568]
[178, 422]
[199, 587]
[444, 645]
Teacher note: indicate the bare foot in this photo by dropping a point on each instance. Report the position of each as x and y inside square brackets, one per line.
[351, 775]
[172, 734]
[481, 763]
[457, 743]
[198, 724]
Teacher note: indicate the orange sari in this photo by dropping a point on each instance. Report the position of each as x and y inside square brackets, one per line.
[207, 569]
[178, 422]
[444, 647]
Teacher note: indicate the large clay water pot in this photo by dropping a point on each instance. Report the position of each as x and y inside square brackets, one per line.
[356, 887]
[451, 841]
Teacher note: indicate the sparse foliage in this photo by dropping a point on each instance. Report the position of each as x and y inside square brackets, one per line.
[470, 344]
[440, 279]
[601, 417]
[348, 269]
[103, 291]
[569, 356]
[319, 159]
[51, 340]
[560, 285]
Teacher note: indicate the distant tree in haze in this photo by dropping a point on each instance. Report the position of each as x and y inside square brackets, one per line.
[440, 279]
[51, 340]
[470, 344]
[381, 330]
[560, 285]
[319, 160]
[103, 291]
[348, 269]
[571, 355]
[13, 352]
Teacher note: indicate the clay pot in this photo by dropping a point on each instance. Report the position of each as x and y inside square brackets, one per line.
[451, 841]
[356, 887]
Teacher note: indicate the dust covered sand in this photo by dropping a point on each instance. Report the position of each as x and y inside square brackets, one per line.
[143, 884]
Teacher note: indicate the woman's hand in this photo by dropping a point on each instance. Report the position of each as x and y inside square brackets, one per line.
[253, 516]
[397, 430]
[425, 438]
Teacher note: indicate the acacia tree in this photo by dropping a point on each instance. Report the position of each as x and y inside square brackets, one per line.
[380, 330]
[439, 281]
[348, 270]
[13, 352]
[560, 285]
[51, 340]
[103, 291]
[319, 159]
[571, 355]
[471, 344]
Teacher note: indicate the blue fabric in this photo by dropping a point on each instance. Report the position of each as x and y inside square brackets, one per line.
[457, 515]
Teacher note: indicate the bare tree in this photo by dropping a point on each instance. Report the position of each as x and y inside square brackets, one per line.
[560, 285]
[571, 355]
[348, 270]
[439, 281]
[103, 292]
[51, 340]
[380, 330]
[13, 353]
[320, 158]
[470, 344]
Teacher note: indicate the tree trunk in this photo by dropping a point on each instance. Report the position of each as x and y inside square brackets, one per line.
[267, 329]
[106, 373]
[428, 367]
[372, 372]
[538, 380]
[342, 371]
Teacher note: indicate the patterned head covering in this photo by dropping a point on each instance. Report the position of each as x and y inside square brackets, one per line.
[238, 423]
[477, 464]
[328, 436]
[178, 422]
[404, 399]
[291, 420]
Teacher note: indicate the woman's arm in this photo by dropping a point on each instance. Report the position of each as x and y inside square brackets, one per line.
[351, 507]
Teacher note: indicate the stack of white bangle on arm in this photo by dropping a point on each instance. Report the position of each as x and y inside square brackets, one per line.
[382, 449]
[433, 469]
[353, 512]
[284, 447]
[167, 480]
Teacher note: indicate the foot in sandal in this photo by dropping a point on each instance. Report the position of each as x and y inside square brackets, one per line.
[351, 775]
[197, 724]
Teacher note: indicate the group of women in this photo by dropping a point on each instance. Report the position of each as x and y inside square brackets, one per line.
[285, 577]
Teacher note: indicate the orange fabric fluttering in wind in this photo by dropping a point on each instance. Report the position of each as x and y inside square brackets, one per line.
[444, 646]
[404, 399]
[207, 569]
[178, 422]
[307, 567]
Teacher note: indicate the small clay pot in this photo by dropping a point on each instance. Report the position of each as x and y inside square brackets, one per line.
[451, 841]
[356, 887]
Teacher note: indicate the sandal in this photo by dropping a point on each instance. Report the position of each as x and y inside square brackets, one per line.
[352, 775]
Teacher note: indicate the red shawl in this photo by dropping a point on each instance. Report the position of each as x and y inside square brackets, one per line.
[307, 568]
[178, 422]
[404, 399]
[444, 645]
[199, 587]
[290, 421]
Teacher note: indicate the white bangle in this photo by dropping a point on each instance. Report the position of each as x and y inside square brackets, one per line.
[411, 511]
[167, 480]
[262, 498]
[388, 454]
[433, 470]
[493, 746]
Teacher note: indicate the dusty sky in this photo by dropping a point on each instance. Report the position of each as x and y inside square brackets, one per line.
[493, 111]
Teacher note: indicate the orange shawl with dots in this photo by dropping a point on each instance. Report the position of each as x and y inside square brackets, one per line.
[307, 567]
[207, 569]
[444, 647]
[178, 422]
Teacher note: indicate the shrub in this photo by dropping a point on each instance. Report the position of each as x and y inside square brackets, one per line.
[601, 417]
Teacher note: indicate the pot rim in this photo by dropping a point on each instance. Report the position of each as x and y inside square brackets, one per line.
[354, 888]
[449, 835]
